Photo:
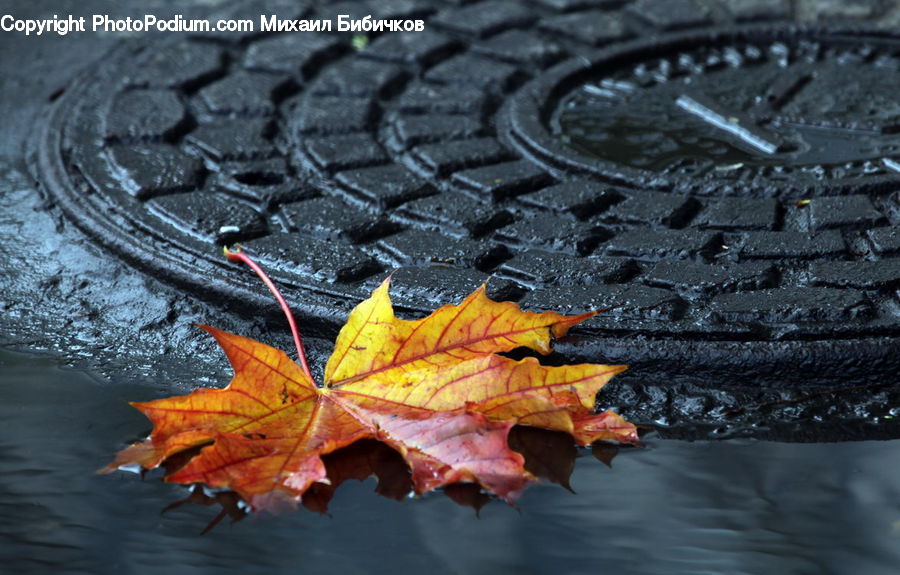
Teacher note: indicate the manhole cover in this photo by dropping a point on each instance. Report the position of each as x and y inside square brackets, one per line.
[729, 191]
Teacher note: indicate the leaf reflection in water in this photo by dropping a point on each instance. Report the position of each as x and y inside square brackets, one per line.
[549, 455]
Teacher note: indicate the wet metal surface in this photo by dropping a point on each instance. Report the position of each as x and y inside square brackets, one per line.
[661, 161]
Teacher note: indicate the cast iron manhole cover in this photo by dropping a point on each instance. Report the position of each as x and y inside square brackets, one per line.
[729, 190]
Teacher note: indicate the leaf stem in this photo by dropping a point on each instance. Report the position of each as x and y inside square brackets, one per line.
[238, 255]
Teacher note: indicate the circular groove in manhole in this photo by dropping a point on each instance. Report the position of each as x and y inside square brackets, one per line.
[746, 111]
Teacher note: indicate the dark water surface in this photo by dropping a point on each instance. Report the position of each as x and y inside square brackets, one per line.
[729, 507]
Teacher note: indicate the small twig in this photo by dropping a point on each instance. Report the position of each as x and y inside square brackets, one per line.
[238, 255]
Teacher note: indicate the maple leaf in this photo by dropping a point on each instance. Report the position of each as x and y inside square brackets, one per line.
[435, 390]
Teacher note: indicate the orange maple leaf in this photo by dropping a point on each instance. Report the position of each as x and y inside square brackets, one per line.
[434, 389]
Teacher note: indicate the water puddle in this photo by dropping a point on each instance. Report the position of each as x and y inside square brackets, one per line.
[737, 506]
[820, 109]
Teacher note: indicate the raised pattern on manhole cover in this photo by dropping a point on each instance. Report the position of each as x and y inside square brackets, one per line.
[472, 151]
